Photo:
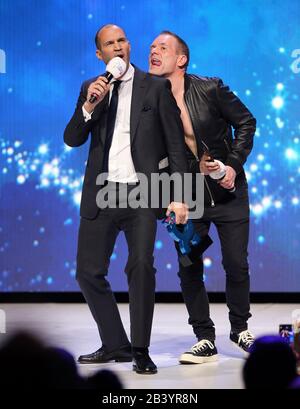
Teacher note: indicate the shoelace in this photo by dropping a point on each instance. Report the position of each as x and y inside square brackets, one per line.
[202, 345]
[246, 337]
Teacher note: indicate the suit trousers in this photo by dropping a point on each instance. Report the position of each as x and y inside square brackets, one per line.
[96, 242]
[232, 223]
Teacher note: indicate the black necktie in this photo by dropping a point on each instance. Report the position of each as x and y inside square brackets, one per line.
[111, 119]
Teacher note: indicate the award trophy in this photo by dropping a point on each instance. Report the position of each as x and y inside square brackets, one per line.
[189, 242]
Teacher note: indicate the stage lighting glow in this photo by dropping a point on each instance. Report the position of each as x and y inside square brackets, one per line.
[291, 154]
[77, 198]
[43, 149]
[158, 244]
[261, 239]
[45, 182]
[267, 167]
[67, 148]
[266, 202]
[248, 175]
[21, 179]
[277, 102]
[68, 222]
[279, 123]
[253, 167]
[257, 209]
[279, 86]
[207, 262]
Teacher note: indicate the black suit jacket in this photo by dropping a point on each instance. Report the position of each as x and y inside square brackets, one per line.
[156, 132]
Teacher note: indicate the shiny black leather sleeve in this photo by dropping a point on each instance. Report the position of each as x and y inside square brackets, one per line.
[244, 124]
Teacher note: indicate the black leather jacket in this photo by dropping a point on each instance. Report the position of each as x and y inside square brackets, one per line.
[214, 111]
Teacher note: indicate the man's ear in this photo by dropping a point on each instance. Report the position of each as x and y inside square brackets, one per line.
[181, 60]
[99, 55]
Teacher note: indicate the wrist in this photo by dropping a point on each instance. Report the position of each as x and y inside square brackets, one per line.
[231, 169]
[88, 107]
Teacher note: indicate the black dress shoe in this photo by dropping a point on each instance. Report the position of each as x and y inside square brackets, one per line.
[101, 356]
[143, 364]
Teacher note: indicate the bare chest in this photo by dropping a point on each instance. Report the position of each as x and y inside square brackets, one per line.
[187, 126]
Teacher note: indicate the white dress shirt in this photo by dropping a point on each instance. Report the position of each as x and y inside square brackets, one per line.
[120, 164]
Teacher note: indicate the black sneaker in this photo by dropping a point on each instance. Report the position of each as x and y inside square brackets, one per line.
[203, 351]
[243, 340]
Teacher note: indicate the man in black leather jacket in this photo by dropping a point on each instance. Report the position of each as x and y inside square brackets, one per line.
[209, 112]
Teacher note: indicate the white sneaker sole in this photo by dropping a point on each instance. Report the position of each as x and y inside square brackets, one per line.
[193, 359]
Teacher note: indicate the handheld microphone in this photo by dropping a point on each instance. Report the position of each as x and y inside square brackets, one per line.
[217, 174]
[220, 174]
[114, 69]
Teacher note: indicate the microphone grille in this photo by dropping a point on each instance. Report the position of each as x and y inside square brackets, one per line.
[116, 67]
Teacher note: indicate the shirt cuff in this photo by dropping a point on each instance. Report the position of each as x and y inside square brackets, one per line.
[87, 116]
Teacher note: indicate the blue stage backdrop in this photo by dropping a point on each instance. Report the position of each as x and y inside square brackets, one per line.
[47, 50]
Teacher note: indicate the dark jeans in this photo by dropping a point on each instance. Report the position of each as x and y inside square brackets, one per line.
[95, 246]
[232, 223]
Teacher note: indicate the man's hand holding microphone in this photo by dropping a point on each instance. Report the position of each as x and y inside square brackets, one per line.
[225, 175]
[97, 90]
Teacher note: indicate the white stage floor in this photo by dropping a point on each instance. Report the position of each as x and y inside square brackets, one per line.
[71, 326]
